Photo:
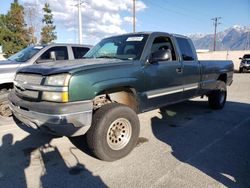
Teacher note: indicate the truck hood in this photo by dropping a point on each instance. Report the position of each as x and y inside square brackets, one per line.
[72, 66]
[8, 69]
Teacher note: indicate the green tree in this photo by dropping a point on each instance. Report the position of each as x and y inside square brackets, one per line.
[48, 33]
[13, 33]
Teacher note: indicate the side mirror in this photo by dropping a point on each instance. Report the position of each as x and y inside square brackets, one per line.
[160, 55]
[240, 58]
[52, 55]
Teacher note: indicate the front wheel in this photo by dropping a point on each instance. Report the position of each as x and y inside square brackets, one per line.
[114, 132]
[217, 98]
[244, 70]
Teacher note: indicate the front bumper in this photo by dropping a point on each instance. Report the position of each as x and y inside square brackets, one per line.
[64, 119]
[246, 66]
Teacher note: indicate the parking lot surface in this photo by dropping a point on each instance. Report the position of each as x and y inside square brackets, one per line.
[183, 145]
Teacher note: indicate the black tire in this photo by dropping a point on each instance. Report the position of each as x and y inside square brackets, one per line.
[244, 70]
[217, 98]
[111, 124]
[240, 70]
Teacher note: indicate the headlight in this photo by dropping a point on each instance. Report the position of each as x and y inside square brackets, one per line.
[61, 82]
[58, 80]
[55, 96]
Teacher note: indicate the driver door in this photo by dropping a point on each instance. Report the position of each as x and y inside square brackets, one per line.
[163, 79]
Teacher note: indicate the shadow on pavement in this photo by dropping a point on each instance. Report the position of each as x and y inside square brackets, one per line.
[80, 142]
[214, 142]
[33, 159]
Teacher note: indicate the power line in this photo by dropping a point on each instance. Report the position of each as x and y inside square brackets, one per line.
[167, 9]
[216, 23]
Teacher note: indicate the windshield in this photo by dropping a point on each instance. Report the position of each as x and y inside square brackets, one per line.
[246, 56]
[119, 47]
[25, 54]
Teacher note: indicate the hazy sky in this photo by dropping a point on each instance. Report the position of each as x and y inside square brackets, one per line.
[103, 18]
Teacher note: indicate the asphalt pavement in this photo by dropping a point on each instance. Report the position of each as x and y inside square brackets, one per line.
[183, 145]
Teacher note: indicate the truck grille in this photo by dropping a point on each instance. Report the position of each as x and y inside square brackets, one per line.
[31, 79]
[27, 93]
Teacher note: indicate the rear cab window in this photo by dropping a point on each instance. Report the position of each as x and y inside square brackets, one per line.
[186, 49]
[79, 52]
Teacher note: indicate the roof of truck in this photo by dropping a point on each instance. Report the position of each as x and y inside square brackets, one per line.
[149, 33]
[64, 44]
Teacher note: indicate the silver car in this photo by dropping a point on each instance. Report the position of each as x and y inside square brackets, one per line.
[31, 55]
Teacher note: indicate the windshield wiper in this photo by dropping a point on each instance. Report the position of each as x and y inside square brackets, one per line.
[108, 57]
[15, 60]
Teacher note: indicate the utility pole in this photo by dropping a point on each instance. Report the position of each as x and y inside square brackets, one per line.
[247, 42]
[79, 21]
[134, 16]
[216, 23]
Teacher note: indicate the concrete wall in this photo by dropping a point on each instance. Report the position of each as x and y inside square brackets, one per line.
[224, 55]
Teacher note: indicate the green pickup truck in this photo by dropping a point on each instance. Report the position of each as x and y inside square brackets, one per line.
[121, 76]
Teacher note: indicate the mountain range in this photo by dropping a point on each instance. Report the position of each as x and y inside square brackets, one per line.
[234, 38]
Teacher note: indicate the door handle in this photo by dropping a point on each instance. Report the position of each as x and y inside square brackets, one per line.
[179, 70]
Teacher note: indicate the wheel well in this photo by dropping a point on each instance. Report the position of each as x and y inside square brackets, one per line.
[122, 95]
[6, 86]
[223, 77]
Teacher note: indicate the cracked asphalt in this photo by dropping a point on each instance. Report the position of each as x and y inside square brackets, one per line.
[183, 145]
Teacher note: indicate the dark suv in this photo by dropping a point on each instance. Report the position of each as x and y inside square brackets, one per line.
[245, 63]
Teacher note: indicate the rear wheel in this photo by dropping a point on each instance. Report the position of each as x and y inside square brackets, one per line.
[114, 132]
[217, 98]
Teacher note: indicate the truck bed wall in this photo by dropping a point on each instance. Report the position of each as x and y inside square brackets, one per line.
[224, 55]
[211, 70]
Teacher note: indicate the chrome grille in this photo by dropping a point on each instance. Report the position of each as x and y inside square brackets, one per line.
[27, 93]
[31, 79]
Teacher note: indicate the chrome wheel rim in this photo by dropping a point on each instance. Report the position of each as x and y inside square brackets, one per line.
[119, 134]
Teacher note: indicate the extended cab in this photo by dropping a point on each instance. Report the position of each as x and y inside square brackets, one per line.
[121, 76]
[34, 55]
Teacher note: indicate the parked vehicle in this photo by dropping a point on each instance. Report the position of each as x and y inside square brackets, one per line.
[121, 76]
[245, 63]
[33, 55]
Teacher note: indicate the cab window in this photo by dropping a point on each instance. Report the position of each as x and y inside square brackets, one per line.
[56, 53]
[163, 43]
[79, 52]
[186, 49]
